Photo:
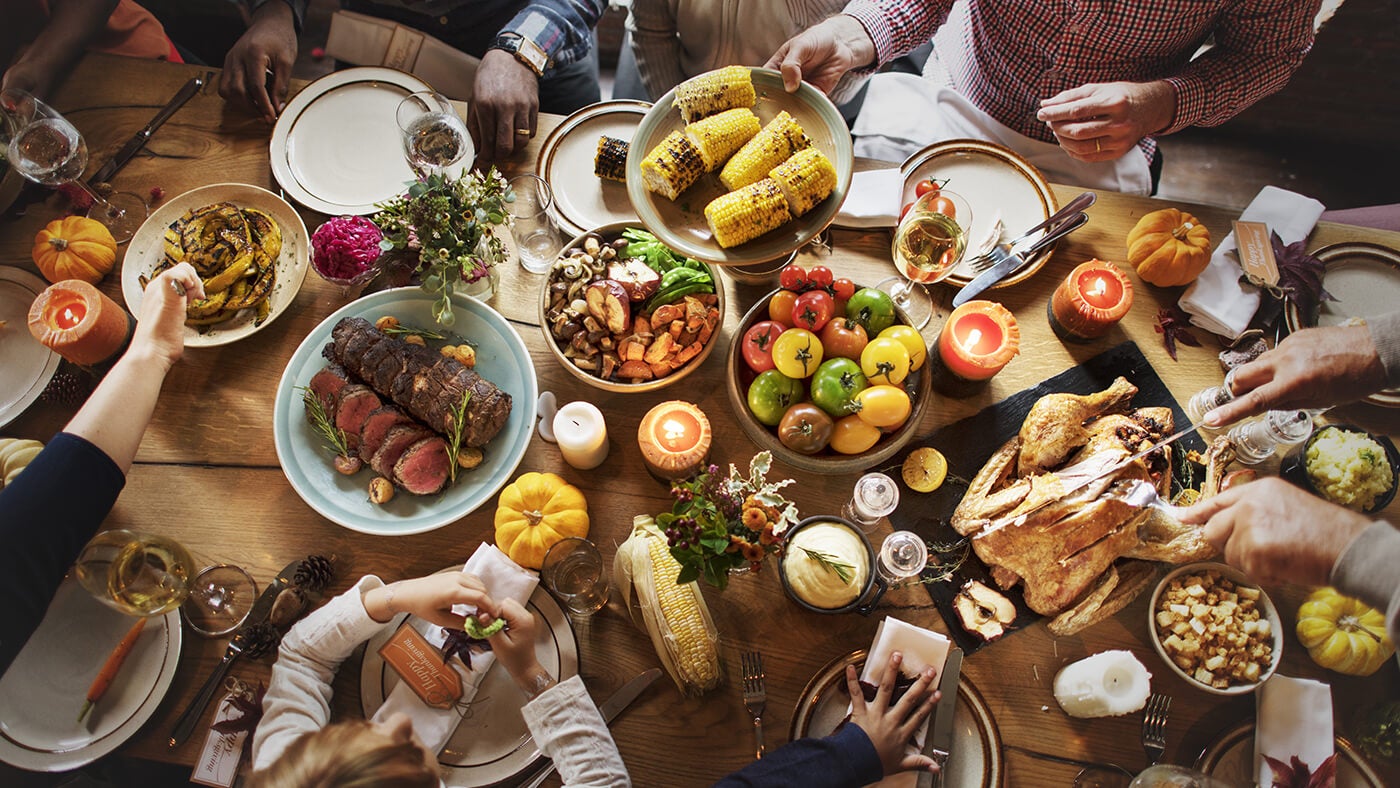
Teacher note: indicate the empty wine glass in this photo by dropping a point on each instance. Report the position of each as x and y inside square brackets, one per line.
[435, 138]
[928, 244]
[47, 149]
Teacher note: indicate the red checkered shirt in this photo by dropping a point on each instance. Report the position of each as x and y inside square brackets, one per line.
[1013, 53]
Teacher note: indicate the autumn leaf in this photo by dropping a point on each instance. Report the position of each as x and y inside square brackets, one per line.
[250, 711]
[1175, 326]
[1295, 773]
[1299, 282]
[458, 643]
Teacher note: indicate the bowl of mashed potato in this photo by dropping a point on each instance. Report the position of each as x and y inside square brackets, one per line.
[1347, 466]
[828, 566]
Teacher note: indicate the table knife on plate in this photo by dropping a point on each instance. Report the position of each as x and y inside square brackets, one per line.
[139, 139]
[1018, 258]
[938, 745]
[261, 609]
[609, 708]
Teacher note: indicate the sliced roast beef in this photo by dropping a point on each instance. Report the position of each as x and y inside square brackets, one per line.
[326, 386]
[354, 405]
[376, 428]
[424, 467]
[400, 437]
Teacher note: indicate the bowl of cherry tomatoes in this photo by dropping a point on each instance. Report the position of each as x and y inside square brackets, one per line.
[826, 374]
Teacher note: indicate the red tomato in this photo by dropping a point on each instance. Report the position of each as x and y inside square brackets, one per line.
[905, 210]
[780, 306]
[924, 187]
[793, 278]
[813, 310]
[843, 289]
[843, 339]
[758, 345]
[944, 206]
[819, 276]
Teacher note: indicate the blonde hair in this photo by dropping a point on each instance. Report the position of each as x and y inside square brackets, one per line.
[349, 754]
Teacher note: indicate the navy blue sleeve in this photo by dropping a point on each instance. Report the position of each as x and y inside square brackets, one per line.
[47, 514]
[844, 759]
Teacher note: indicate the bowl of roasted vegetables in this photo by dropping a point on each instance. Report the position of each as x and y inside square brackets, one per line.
[826, 374]
[623, 312]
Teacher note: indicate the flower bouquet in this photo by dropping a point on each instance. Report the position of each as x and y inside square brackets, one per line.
[720, 523]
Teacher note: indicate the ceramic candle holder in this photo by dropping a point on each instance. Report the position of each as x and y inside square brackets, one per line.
[979, 339]
[675, 440]
[1088, 303]
[76, 321]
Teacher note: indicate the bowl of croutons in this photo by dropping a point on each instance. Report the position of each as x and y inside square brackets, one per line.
[1215, 628]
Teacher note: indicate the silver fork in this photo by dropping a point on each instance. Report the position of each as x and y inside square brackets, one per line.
[755, 695]
[988, 259]
[1154, 727]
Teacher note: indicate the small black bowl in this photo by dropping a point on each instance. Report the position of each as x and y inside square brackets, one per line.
[870, 594]
[1294, 466]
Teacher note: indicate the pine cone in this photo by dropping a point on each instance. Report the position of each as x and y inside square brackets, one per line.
[314, 574]
[259, 639]
[67, 388]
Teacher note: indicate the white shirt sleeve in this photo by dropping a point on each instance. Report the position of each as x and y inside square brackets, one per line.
[569, 729]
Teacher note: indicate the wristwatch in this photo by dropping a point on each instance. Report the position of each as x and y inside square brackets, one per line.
[525, 50]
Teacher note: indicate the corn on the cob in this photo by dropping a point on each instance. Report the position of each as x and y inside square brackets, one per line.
[744, 215]
[675, 615]
[672, 166]
[714, 91]
[772, 146]
[806, 179]
[611, 159]
[718, 136]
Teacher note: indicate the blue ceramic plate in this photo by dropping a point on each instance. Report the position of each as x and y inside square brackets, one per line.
[502, 358]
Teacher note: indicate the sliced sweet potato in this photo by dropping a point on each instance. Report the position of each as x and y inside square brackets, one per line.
[703, 335]
[667, 313]
[677, 326]
[641, 324]
[637, 370]
[661, 368]
[658, 350]
[689, 352]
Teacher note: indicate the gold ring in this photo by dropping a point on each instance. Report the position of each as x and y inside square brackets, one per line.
[1098, 145]
[177, 287]
[523, 132]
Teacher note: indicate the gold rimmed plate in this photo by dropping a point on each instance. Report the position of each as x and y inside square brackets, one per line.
[28, 365]
[1231, 758]
[582, 200]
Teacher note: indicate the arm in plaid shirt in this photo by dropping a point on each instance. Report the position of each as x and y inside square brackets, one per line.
[562, 28]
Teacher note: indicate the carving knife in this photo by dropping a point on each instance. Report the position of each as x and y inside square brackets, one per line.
[609, 708]
[139, 139]
[938, 745]
[1017, 259]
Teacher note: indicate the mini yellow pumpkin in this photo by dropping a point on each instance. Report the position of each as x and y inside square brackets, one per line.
[536, 511]
[75, 247]
[1169, 247]
[1343, 634]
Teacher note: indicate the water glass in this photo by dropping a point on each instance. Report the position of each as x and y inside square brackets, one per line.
[574, 572]
[532, 226]
[903, 554]
[875, 497]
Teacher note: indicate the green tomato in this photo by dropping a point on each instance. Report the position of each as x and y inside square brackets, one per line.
[871, 309]
[770, 395]
[835, 384]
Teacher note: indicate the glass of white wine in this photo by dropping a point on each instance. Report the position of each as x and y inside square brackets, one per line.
[435, 138]
[928, 244]
[47, 149]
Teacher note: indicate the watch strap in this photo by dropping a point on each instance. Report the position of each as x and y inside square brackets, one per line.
[525, 50]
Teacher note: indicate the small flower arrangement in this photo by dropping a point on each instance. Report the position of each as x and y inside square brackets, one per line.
[719, 523]
[449, 224]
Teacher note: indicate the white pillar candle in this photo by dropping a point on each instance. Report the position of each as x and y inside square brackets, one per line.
[1104, 685]
[582, 435]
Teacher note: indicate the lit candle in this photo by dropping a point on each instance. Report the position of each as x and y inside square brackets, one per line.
[675, 439]
[78, 322]
[582, 435]
[1104, 685]
[978, 340]
[1092, 298]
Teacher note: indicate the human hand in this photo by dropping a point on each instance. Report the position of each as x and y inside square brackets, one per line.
[1103, 121]
[514, 647]
[505, 107]
[431, 598]
[1274, 531]
[28, 76]
[1313, 368]
[269, 44]
[822, 54]
[160, 328]
[891, 727]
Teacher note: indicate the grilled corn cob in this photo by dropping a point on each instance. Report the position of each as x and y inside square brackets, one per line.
[772, 146]
[718, 136]
[744, 215]
[714, 91]
[611, 159]
[672, 166]
[806, 179]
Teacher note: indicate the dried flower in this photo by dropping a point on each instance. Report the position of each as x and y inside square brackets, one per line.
[1175, 326]
[78, 198]
[1299, 282]
[157, 194]
[1295, 773]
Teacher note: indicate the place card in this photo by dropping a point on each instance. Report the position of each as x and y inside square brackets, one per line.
[1256, 251]
[422, 668]
[221, 753]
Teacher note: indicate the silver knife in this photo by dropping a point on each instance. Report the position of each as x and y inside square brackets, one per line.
[139, 139]
[609, 708]
[938, 745]
[1018, 258]
[261, 609]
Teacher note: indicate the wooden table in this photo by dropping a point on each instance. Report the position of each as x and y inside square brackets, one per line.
[207, 474]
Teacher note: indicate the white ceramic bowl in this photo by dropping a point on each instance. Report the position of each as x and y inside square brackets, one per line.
[1266, 610]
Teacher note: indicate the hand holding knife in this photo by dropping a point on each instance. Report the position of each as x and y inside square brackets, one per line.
[139, 139]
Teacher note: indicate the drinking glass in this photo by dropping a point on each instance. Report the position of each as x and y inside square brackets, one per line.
[903, 554]
[47, 149]
[435, 139]
[531, 225]
[928, 244]
[874, 497]
[573, 571]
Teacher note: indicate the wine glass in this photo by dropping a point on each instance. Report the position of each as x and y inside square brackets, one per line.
[47, 149]
[928, 244]
[434, 136]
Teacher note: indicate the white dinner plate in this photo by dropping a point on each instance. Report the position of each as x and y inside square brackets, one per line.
[492, 743]
[582, 200]
[44, 688]
[147, 250]
[28, 365]
[1230, 758]
[997, 183]
[336, 146]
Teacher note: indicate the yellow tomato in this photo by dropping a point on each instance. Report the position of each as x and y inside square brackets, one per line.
[913, 342]
[797, 353]
[883, 406]
[852, 435]
[885, 361]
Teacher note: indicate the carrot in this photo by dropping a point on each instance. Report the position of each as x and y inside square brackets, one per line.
[111, 666]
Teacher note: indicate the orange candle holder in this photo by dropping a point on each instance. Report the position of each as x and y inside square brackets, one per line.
[978, 340]
[675, 440]
[1095, 296]
[80, 323]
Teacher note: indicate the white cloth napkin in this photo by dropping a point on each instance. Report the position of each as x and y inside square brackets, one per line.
[873, 199]
[1294, 718]
[921, 648]
[1217, 301]
[504, 579]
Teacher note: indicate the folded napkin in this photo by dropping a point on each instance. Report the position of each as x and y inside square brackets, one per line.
[504, 579]
[872, 200]
[1294, 719]
[921, 648]
[1217, 301]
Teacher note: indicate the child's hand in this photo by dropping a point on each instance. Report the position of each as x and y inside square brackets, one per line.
[515, 648]
[431, 598]
[891, 727]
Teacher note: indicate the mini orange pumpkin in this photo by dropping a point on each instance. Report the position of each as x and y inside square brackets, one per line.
[1169, 247]
[75, 247]
[535, 511]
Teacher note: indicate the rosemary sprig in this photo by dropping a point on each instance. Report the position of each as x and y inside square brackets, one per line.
[403, 330]
[831, 563]
[454, 444]
[333, 435]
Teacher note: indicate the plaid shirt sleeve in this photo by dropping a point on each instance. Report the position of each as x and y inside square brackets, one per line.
[1258, 45]
[298, 8]
[562, 28]
[898, 26]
